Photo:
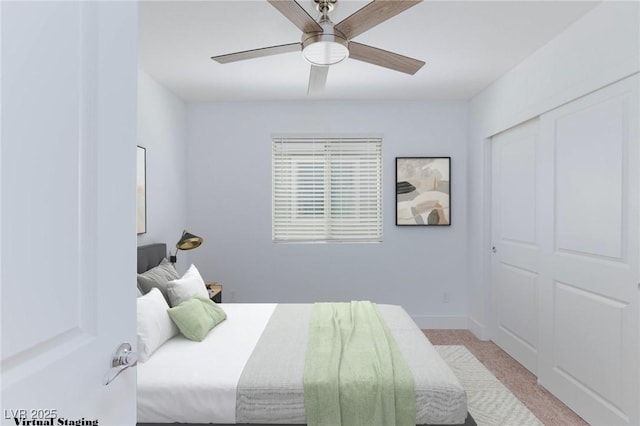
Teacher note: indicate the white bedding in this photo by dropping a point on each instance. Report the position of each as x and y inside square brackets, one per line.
[222, 356]
[200, 382]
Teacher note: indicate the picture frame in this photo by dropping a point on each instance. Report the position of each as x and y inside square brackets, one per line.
[423, 191]
[141, 190]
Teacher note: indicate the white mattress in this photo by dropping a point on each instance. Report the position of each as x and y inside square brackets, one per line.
[202, 376]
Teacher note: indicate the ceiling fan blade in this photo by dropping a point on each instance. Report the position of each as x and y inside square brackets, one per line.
[317, 79]
[258, 53]
[384, 58]
[371, 15]
[296, 14]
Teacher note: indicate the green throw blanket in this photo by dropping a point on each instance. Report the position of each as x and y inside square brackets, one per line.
[354, 373]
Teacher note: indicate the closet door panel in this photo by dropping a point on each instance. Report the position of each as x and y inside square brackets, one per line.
[515, 258]
[589, 246]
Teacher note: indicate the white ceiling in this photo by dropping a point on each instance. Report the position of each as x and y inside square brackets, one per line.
[466, 46]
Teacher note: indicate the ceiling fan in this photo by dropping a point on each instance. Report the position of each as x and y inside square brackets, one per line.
[325, 43]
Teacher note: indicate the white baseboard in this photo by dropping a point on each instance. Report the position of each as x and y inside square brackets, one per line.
[441, 322]
[478, 330]
[452, 323]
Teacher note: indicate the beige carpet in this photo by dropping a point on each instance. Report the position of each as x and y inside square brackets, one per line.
[489, 401]
[520, 381]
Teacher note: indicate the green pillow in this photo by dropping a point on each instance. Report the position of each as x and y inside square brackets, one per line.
[196, 317]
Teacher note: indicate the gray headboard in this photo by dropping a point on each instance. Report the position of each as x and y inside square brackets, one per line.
[150, 255]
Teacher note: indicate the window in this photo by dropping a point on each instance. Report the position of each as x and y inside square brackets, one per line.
[327, 190]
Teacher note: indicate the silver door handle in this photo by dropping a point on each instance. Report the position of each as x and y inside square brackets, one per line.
[122, 359]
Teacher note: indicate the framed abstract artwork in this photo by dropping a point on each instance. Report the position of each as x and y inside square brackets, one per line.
[141, 190]
[423, 191]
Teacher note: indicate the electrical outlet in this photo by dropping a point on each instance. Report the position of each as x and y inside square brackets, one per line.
[445, 297]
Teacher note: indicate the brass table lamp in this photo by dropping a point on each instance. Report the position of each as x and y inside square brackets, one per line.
[188, 241]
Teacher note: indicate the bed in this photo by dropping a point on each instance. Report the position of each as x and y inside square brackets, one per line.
[248, 369]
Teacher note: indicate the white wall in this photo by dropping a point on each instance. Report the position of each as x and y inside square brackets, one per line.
[229, 183]
[162, 131]
[599, 49]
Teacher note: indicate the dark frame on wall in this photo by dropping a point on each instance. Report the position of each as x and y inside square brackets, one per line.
[423, 191]
[141, 190]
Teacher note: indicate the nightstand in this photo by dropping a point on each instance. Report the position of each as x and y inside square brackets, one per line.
[215, 292]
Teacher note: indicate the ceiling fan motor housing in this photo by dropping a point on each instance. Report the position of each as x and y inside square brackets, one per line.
[325, 48]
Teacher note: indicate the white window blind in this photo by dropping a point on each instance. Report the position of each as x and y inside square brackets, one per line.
[327, 190]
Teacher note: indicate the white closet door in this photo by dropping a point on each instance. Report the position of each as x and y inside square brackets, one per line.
[590, 270]
[515, 264]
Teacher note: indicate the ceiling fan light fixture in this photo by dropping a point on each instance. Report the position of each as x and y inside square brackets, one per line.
[325, 49]
[324, 44]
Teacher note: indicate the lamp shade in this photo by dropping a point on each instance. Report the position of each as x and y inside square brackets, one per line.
[188, 241]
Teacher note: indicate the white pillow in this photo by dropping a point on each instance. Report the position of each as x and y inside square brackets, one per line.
[154, 323]
[191, 284]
